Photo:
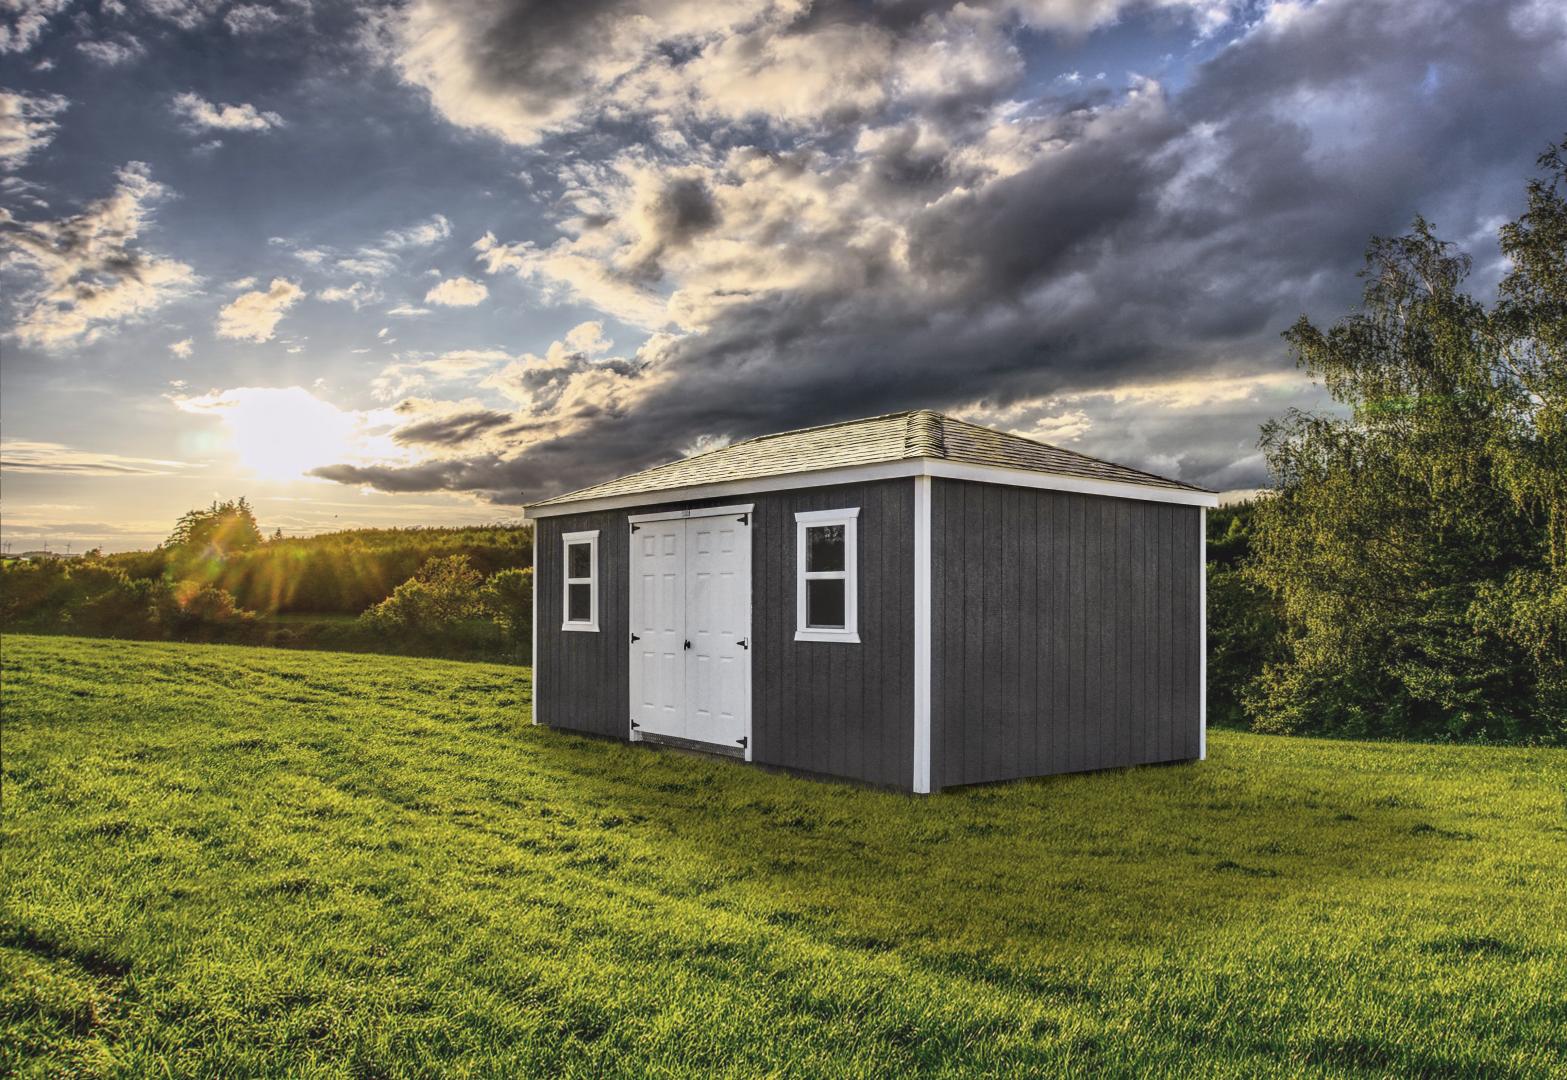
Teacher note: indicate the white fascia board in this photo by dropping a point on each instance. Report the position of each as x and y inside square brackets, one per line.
[922, 636]
[706, 511]
[850, 474]
[886, 470]
[1116, 489]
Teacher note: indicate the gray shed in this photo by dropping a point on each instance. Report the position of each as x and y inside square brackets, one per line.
[908, 600]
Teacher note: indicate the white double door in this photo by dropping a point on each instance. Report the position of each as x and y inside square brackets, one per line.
[691, 627]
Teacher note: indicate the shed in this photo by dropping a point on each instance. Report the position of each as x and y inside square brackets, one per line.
[908, 600]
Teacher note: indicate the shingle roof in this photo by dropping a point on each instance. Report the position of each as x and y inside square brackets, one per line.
[893, 437]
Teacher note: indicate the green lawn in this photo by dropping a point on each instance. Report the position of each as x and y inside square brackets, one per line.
[245, 861]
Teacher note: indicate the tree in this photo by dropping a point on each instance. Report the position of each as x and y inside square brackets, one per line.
[444, 593]
[222, 528]
[508, 598]
[1416, 544]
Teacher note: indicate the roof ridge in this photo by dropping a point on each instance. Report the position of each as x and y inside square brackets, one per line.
[925, 436]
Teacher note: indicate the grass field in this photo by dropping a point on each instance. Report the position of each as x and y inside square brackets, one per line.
[222, 860]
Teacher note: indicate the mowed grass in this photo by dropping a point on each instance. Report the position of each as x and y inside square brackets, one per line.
[234, 861]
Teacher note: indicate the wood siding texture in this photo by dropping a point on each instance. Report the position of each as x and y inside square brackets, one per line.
[823, 707]
[1065, 632]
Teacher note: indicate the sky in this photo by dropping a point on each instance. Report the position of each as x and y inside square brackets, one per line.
[421, 263]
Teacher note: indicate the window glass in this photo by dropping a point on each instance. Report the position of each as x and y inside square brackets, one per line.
[579, 603]
[824, 603]
[579, 561]
[824, 549]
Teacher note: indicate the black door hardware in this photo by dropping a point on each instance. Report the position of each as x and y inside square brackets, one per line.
[745, 741]
[688, 644]
[634, 638]
[743, 645]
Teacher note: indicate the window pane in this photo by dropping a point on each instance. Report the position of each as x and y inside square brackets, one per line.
[579, 603]
[579, 560]
[823, 548]
[824, 604]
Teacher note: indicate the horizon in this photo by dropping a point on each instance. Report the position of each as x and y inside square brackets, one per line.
[386, 265]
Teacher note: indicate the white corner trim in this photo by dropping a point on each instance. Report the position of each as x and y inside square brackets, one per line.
[1202, 669]
[591, 538]
[849, 518]
[533, 646]
[886, 470]
[922, 600]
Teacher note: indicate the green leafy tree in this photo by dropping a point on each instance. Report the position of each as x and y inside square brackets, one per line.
[219, 530]
[1416, 544]
[508, 599]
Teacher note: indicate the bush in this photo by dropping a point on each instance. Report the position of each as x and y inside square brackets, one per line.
[443, 594]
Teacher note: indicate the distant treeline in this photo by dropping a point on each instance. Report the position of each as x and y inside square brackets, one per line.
[457, 592]
[340, 573]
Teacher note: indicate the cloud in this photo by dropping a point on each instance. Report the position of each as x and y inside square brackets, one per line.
[23, 22]
[27, 125]
[457, 428]
[358, 294]
[23, 456]
[182, 348]
[253, 316]
[202, 115]
[90, 272]
[901, 234]
[400, 378]
[408, 311]
[422, 235]
[111, 52]
[252, 19]
[457, 292]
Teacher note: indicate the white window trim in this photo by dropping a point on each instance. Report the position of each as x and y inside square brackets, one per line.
[591, 538]
[849, 519]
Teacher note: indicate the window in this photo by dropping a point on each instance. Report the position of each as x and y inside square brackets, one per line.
[581, 606]
[828, 557]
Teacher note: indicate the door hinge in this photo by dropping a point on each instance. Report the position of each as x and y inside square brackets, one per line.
[688, 644]
[743, 645]
[745, 519]
[744, 742]
[635, 526]
[634, 724]
[634, 638]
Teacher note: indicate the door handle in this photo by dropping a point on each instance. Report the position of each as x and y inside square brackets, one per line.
[688, 644]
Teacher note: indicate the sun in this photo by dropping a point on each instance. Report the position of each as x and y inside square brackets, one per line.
[282, 433]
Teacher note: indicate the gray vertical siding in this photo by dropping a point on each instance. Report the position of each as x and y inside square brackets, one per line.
[1065, 632]
[584, 679]
[825, 707]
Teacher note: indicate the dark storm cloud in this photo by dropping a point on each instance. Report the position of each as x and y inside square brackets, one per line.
[451, 430]
[1157, 240]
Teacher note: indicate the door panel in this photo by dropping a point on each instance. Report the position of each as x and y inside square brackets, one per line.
[718, 619]
[658, 656]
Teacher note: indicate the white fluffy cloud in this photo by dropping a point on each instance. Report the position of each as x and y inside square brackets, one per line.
[358, 294]
[182, 348]
[253, 316]
[200, 114]
[27, 125]
[89, 270]
[22, 22]
[457, 292]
